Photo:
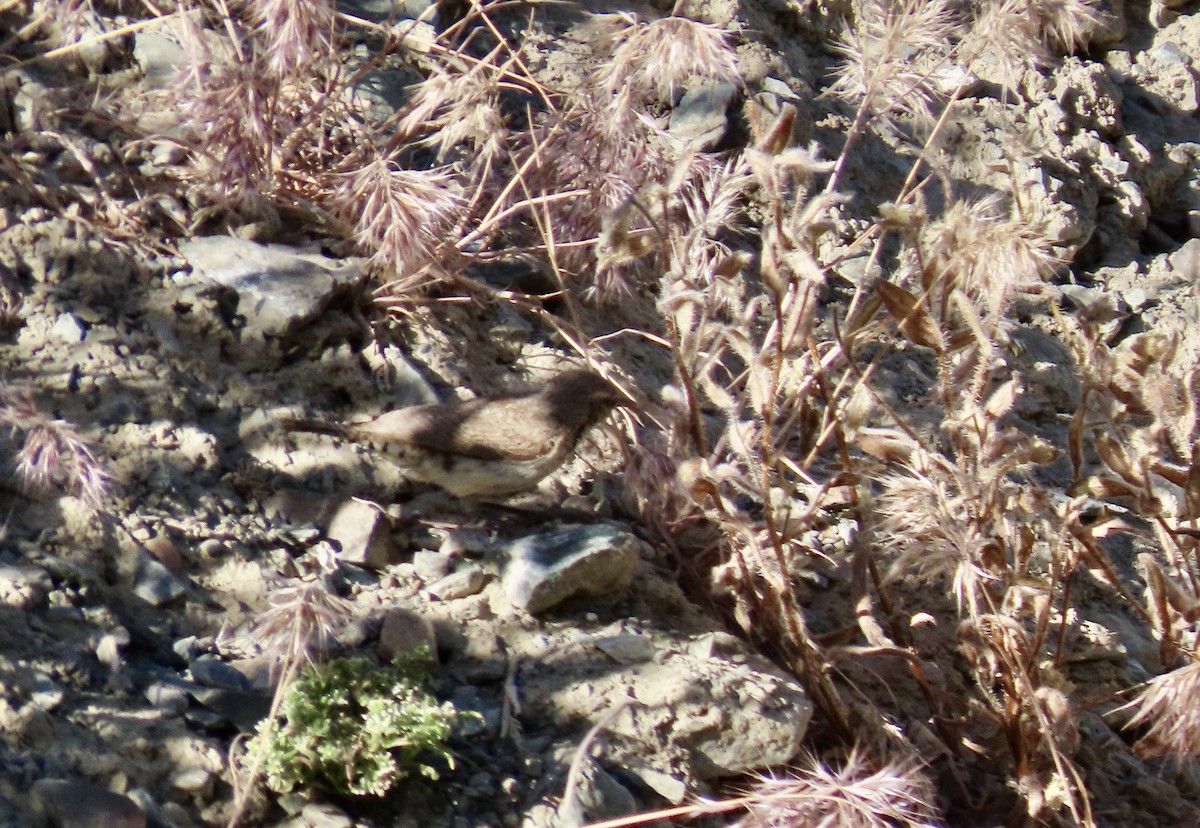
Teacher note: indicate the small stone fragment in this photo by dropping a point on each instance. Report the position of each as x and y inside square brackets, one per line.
[363, 534]
[69, 329]
[467, 581]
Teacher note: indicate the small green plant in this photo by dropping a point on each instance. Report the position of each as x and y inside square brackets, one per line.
[356, 727]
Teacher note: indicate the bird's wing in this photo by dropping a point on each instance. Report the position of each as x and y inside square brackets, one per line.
[479, 429]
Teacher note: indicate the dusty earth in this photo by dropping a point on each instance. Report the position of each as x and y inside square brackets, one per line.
[125, 657]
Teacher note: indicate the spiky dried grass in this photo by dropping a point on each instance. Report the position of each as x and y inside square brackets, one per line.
[1170, 705]
[399, 216]
[295, 34]
[300, 623]
[661, 57]
[52, 452]
[859, 794]
[878, 73]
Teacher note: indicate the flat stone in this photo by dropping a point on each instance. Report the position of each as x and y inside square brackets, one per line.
[545, 570]
[626, 648]
[279, 288]
[83, 805]
[598, 797]
[467, 581]
[211, 672]
[191, 780]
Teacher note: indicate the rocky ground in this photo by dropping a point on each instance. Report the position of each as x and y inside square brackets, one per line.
[127, 661]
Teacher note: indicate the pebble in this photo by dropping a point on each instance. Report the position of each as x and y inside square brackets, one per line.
[403, 631]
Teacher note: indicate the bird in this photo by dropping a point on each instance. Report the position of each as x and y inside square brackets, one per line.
[486, 447]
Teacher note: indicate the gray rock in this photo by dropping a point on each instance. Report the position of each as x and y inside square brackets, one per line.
[154, 583]
[671, 788]
[191, 780]
[597, 797]
[279, 288]
[362, 531]
[211, 672]
[83, 805]
[544, 570]
[700, 118]
[467, 581]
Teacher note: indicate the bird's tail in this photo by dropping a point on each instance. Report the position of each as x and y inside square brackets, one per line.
[313, 426]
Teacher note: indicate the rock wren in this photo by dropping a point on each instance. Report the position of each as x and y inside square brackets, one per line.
[485, 447]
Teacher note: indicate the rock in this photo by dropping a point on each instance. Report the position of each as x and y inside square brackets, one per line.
[154, 583]
[279, 288]
[69, 329]
[1186, 260]
[191, 780]
[700, 118]
[545, 570]
[23, 586]
[671, 788]
[626, 648]
[211, 672]
[364, 535]
[430, 566]
[324, 815]
[467, 581]
[167, 698]
[82, 805]
[403, 631]
[597, 797]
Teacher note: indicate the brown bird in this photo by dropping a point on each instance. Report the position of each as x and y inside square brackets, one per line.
[489, 447]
